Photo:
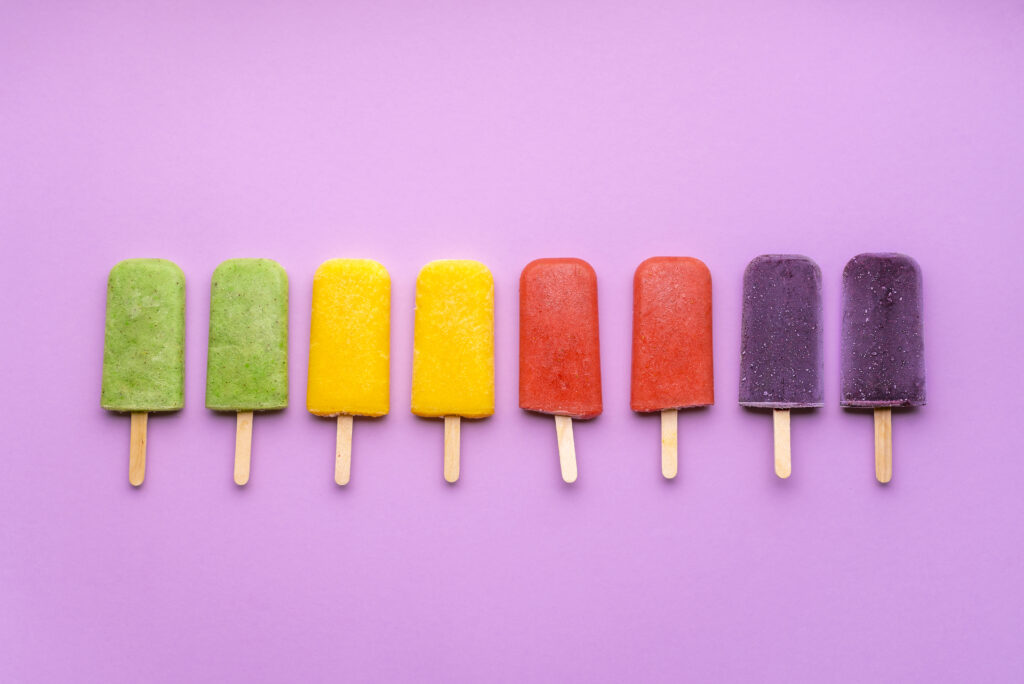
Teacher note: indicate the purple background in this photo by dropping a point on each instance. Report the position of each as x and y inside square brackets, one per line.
[503, 132]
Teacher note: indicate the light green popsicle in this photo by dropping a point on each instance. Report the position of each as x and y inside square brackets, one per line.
[247, 365]
[144, 349]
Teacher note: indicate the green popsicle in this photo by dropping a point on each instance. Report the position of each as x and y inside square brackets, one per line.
[144, 347]
[247, 364]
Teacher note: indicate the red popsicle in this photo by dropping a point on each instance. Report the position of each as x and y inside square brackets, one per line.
[672, 358]
[559, 351]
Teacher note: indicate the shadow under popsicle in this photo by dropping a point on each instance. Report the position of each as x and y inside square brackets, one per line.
[778, 439]
[560, 445]
[345, 431]
[451, 448]
[241, 465]
[680, 416]
[139, 465]
[883, 437]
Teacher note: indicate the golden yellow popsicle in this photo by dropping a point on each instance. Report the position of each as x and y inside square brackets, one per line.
[349, 348]
[453, 351]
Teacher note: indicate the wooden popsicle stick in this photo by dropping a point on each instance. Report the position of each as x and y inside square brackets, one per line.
[451, 448]
[783, 458]
[566, 448]
[243, 447]
[137, 450]
[343, 452]
[883, 444]
[669, 443]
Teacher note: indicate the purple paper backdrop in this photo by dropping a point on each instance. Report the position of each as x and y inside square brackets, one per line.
[503, 132]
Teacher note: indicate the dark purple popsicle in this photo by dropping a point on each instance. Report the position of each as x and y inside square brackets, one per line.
[781, 352]
[882, 345]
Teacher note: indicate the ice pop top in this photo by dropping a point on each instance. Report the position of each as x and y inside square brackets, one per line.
[559, 350]
[672, 365]
[781, 352]
[453, 354]
[247, 362]
[882, 342]
[144, 349]
[349, 339]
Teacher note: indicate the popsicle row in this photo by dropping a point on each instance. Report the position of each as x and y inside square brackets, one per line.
[781, 360]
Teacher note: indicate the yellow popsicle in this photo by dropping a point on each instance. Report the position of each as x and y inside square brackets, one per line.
[349, 339]
[453, 354]
[453, 351]
[349, 348]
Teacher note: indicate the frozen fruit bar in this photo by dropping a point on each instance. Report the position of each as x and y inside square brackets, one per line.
[882, 342]
[559, 349]
[349, 348]
[781, 344]
[672, 358]
[247, 359]
[247, 365]
[882, 356]
[144, 347]
[349, 339]
[453, 349]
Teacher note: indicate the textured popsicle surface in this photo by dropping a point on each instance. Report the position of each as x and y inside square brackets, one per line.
[781, 343]
[247, 363]
[882, 355]
[144, 346]
[559, 349]
[453, 349]
[672, 353]
[349, 339]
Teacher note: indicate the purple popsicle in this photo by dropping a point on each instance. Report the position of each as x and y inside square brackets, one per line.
[781, 345]
[882, 347]
[882, 343]
[781, 354]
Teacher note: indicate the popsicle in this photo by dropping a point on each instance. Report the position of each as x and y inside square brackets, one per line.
[247, 362]
[453, 352]
[781, 350]
[559, 350]
[349, 347]
[672, 356]
[144, 347]
[882, 364]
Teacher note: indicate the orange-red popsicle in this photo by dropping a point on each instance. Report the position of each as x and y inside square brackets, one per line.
[672, 357]
[559, 351]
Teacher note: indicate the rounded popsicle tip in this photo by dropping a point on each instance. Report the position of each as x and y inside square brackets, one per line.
[874, 262]
[151, 265]
[579, 266]
[249, 268]
[339, 267]
[690, 268]
[678, 261]
[268, 265]
[782, 261]
[462, 267]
